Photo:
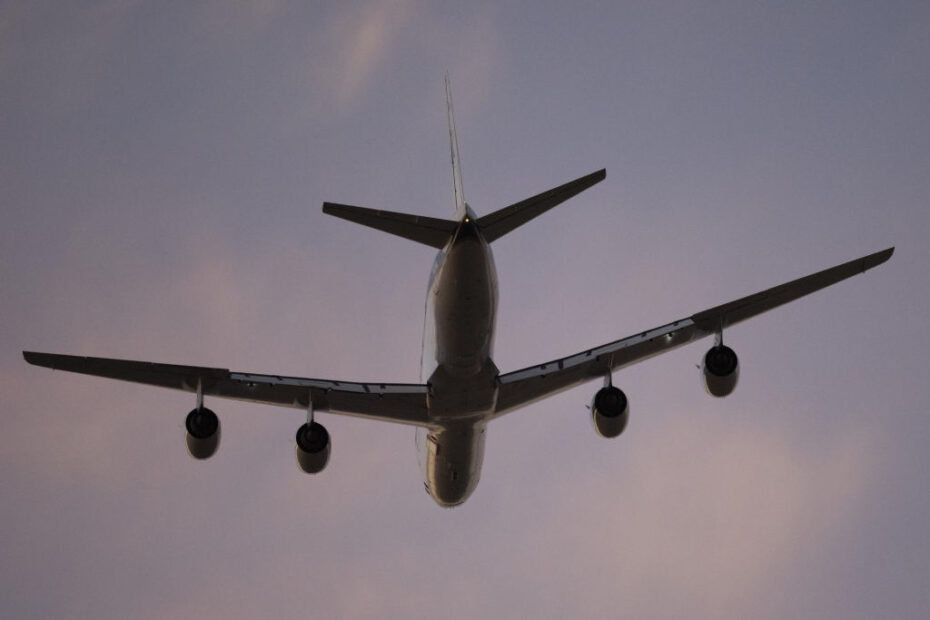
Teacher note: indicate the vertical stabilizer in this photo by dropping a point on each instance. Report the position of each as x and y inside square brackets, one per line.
[458, 192]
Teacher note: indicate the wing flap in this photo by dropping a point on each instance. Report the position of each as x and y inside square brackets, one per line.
[522, 387]
[393, 402]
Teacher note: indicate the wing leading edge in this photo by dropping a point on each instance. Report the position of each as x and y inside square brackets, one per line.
[392, 402]
[536, 382]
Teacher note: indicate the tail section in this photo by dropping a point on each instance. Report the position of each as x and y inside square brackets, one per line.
[431, 231]
[458, 191]
[436, 232]
[496, 225]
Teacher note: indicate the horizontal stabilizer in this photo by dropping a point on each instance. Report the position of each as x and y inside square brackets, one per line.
[496, 225]
[432, 231]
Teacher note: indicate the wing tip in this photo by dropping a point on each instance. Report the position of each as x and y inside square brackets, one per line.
[874, 260]
[39, 359]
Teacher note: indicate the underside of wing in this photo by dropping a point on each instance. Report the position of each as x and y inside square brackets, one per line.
[528, 385]
[392, 402]
[522, 387]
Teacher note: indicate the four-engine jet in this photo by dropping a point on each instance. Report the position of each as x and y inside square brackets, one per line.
[461, 389]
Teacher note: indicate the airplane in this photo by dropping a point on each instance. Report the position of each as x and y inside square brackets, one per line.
[461, 389]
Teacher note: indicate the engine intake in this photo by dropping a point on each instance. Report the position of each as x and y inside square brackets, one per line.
[610, 411]
[313, 447]
[203, 433]
[720, 369]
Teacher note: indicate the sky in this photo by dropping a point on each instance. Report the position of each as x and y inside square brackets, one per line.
[162, 168]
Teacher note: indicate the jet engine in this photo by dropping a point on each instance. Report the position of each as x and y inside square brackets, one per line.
[203, 433]
[610, 411]
[720, 369]
[313, 447]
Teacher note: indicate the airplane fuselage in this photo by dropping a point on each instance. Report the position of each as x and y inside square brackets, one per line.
[458, 343]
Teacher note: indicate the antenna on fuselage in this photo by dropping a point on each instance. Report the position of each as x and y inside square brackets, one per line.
[458, 192]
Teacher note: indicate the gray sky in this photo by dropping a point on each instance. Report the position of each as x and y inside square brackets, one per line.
[162, 171]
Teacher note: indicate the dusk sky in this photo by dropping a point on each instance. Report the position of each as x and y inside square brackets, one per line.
[162, 169]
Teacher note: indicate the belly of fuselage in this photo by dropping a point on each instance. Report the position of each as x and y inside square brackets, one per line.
[464, 304]
[459, 337]
[451, 459]
[457, 347]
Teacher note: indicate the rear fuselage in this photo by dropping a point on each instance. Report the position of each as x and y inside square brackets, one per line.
[458, 342]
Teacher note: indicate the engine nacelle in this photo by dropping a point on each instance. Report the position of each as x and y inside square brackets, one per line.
[203, 433]
[720, 369]
[313, 447]
[610, 411]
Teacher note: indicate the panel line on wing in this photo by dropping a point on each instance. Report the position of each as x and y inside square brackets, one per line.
[321, 384]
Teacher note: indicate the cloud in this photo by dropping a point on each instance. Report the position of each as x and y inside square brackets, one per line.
[712, 525]
[369, 37]
[366, 40]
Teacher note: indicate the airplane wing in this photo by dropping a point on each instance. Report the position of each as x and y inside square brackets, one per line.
[536, 382]
[392, 402]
